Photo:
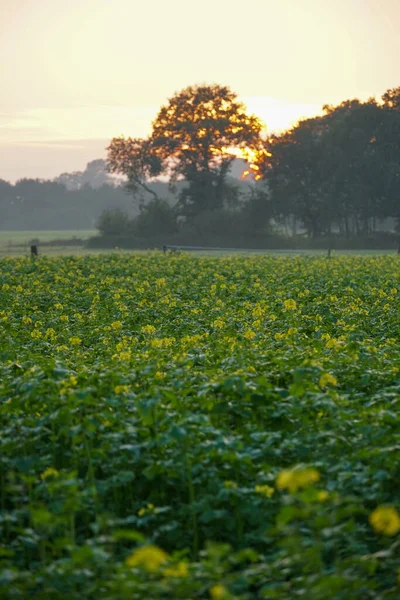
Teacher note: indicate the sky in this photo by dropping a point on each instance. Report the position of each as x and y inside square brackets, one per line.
[75, 73]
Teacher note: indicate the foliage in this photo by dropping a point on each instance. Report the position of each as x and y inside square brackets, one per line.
[113, 221]
[34, 204]
[95, 175]
[192, 137]
[184, 427]
[156, 217]
[338, 172]
[136, 160]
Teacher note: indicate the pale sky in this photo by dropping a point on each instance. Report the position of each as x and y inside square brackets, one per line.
[76, 73]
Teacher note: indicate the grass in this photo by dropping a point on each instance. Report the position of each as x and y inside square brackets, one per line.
[16, 243]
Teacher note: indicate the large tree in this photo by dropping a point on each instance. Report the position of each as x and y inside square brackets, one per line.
[194, 137]
[337, 170]
[295, 169]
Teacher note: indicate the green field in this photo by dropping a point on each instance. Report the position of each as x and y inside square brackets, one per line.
[179, 427]
[15, 243]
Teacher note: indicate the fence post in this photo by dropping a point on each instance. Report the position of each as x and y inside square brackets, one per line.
[34, 250]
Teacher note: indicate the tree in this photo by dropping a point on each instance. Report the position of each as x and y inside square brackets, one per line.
[95, 175]
[155, 218]
[193, 137]
[136, 159]
[113, 222]
[295, 171]
[335, 171]
[391, 99]
[355, 139]
[391, 151]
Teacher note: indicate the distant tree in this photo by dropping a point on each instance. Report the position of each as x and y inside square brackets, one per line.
[156, 217]
[391, 151]
[258, 210]
[136, 160]
[295, 171]
[334, 171]
[354, 142]
[95, 175]
[391, 99]
[192, 137]
[39, 192]
[113, 221]
[6, 197]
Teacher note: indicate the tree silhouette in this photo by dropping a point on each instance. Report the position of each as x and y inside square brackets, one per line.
[194, 137]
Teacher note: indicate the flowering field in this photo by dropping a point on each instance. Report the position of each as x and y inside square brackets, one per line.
[179, 427]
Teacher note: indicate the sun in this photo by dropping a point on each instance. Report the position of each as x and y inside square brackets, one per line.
[253, 158]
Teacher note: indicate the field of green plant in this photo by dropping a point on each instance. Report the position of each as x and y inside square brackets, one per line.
[177, 427]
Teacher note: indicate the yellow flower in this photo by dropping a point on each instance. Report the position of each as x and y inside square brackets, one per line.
[322, 495]
[332, 343]
[385, 519]
[146, 509]
[179, 570]
[148, 329]
[121, 389]
[293, 479]
[75, 341]
[265, 490]
[258, 311]
[150, 558]
[290, 304]
[116, 325]
[249, 334]
[36, 335]
[327, 379]
[50, 472]
[218, 592]
[230, 485]
[218, 323]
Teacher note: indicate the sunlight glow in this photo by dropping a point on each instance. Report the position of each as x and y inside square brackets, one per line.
[75, 71]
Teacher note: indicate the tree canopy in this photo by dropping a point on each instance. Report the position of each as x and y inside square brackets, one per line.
[195, 136]
[339, 171]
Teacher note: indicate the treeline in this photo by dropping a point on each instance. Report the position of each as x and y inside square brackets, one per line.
[33, 204]
[335, 176]
[339, 172]
[330, 180]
